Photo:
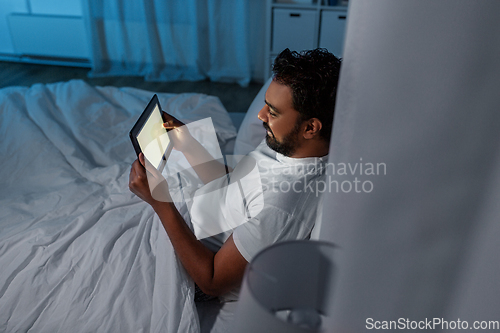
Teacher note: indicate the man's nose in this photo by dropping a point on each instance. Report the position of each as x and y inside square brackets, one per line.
[262, 115]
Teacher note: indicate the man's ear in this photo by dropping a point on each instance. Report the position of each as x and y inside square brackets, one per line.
[312, 129]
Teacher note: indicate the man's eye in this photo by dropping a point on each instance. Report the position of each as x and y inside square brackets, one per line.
[272, 114]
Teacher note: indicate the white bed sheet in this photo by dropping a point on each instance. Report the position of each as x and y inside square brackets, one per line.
[78, 251]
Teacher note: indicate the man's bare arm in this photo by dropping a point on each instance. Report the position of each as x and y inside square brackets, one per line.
[202, 162]
[215, 274]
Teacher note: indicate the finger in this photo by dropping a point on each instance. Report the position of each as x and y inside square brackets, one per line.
[169, 127]
[168, 117]
[135, 172]
[171, 120]
[134, 165]
[168, 124]
[150, 169]
[132, 172]
[146, 166]
[139, 170]
[141, 159]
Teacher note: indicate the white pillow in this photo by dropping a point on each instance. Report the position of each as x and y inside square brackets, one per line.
[251, 132]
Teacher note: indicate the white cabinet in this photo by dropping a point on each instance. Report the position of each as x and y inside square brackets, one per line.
[293, 28]
[332, 30]
[46, 36]
[6, 7]
[44, 31]
[303, 25]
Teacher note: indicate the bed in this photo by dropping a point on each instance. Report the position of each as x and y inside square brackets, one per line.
[78, 251]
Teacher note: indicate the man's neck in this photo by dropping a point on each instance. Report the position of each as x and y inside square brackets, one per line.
[312, 148]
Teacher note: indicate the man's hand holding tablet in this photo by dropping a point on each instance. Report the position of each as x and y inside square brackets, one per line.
[153, 145]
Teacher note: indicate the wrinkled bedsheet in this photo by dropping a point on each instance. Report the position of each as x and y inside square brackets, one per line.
[78, 251]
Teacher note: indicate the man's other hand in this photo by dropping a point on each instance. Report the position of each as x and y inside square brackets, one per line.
[178, 132]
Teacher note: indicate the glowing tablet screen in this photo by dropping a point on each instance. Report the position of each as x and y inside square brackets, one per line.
[153, 138]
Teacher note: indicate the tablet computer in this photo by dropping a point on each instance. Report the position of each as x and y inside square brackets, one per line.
[150, 137]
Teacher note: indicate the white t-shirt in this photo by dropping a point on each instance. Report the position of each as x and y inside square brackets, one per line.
[267, 198]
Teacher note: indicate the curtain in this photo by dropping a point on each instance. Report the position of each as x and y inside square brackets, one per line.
[418, 239]
[170, 40]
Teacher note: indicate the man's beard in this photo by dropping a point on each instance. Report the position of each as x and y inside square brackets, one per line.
[288, 145]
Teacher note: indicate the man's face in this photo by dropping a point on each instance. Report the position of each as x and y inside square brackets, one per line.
[281, 120]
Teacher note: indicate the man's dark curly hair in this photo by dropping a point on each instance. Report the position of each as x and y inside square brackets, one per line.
[313, 77]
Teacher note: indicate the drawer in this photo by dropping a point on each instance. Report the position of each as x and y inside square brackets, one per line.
[293, 29]
[332, 31]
